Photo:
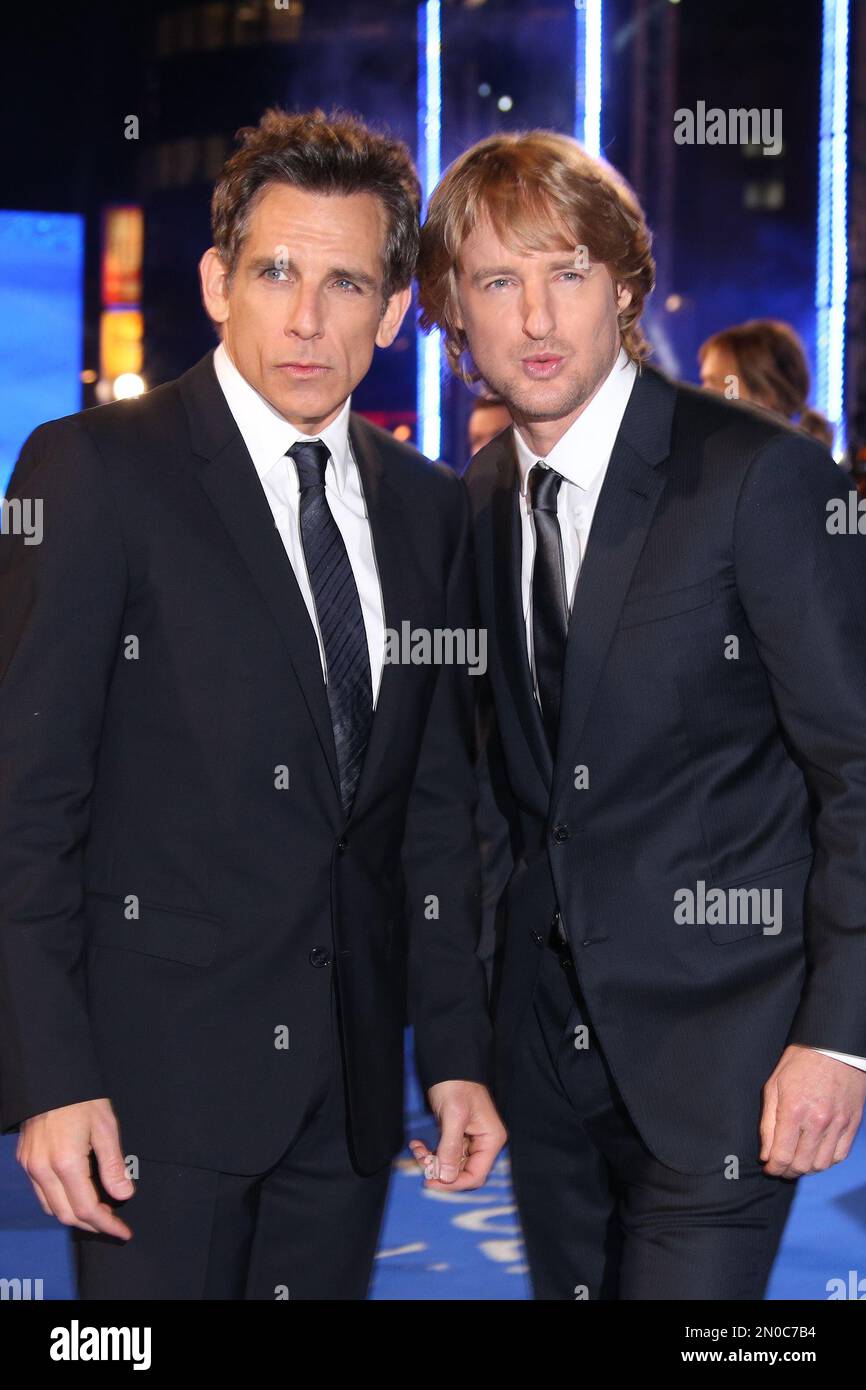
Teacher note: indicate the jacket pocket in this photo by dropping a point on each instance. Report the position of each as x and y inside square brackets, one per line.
[649, 608]
[188, 937]
[747, 898]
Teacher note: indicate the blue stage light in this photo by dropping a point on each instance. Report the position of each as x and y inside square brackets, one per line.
[831, 284]
[429, 381]
[587, 75]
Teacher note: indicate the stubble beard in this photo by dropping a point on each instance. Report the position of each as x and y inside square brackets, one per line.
[527, 404]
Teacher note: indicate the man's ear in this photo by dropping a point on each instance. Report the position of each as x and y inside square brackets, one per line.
[395, 312]
[214, 288]
[623, 297]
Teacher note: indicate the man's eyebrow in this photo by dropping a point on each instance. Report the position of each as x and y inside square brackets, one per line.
[487, 271]
[339, 272]
[269, 263]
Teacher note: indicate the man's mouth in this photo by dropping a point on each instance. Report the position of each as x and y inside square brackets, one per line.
[542, 365]
[302, 370]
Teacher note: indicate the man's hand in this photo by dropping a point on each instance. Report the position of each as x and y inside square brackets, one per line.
[812, 1110]
[471, 1136]
[54, 1151]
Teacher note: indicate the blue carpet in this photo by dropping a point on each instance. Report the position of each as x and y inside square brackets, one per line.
[467, 1246]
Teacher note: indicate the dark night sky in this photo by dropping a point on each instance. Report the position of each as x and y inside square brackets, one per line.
[71, 76]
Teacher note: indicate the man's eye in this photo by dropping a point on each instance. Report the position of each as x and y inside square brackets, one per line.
[499, 281]
[573, 275]
[351, 284]
[273, 270]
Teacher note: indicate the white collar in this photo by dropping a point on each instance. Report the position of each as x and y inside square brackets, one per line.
[267, 434]
[587, 444]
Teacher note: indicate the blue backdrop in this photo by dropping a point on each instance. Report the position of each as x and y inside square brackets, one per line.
[41, 294]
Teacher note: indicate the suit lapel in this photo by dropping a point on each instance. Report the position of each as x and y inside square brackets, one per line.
[395, 565]
[228, 476]
[624, 512]
[508, 600]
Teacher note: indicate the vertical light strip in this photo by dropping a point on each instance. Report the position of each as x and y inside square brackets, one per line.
[587, 75]
[831, 282]
[429, 349]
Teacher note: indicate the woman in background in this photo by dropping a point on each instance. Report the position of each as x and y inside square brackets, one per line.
[768, 362]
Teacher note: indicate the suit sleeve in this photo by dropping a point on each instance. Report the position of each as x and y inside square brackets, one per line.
[61, 606]
[803, 589]
[448, 1003]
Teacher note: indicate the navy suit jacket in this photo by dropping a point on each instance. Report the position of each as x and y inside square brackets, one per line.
[715, 692]
[171, 912]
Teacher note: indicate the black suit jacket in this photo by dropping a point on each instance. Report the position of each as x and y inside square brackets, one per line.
[738, 771]
[157, 670]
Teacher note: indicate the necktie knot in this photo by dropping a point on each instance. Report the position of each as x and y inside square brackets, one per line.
[544, 486]
[311, 458]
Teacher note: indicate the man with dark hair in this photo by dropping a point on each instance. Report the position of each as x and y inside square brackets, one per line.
[236, 840]
[678, 664]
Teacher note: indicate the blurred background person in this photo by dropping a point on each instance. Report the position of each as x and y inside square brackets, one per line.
[489, 417]
[764, 361]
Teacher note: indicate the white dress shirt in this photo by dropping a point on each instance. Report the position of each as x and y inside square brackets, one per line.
[268, 435]
[582, 456]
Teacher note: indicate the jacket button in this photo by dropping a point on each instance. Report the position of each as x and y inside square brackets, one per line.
[342, 844]
[561, 833]
[537, 938]
[319, 957]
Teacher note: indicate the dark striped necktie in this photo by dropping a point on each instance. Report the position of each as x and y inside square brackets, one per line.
[341, 622]
[549, 597]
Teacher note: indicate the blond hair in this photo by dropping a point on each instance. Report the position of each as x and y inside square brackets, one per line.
[538, 189]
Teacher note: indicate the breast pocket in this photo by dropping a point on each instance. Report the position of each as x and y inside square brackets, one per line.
[188, 937]
[651, 608]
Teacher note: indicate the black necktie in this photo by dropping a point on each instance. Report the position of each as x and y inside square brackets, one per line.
[549, 597]
[341, 622]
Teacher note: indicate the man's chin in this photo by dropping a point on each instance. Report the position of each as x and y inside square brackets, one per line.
[301, 404]
[540, 402]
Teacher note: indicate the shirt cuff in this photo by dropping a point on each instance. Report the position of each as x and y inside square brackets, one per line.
[844, 1057]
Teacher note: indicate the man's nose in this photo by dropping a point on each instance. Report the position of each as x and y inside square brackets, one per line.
[537, 315]
[305, 317]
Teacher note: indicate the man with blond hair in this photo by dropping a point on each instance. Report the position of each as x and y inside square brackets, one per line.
[678, 661]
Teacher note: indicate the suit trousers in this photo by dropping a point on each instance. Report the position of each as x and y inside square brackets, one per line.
[305, 1229]
[602, 1218]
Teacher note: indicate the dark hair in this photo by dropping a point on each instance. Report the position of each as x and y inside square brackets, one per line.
[322, 154]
